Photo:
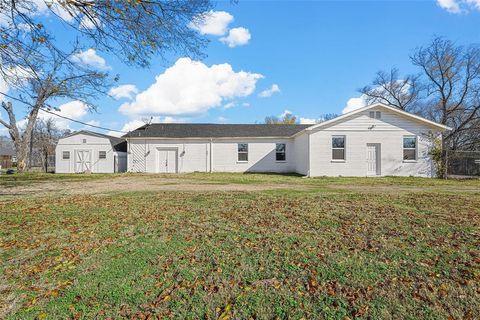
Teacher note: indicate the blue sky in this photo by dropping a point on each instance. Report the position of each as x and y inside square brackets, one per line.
[316, 54]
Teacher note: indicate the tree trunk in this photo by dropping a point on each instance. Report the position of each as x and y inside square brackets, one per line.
[21, 141]
[46, 162]
[22, 148]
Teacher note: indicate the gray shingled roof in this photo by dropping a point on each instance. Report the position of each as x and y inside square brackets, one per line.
[204, 130]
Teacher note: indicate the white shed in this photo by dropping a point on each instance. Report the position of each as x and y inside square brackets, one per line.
[86, 151]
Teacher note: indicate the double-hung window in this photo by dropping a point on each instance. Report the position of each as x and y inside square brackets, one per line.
[280, 152]
[338, 148]
[66, 155]
[102, 154]
[242, 152]
[409, 148]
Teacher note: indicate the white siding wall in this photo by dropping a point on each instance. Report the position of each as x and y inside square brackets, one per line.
[302, 153]
[93, 144]
[191, 154]
[388, 132]
[261, 156]
[194, 155]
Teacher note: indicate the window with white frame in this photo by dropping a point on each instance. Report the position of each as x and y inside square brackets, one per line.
[409, 148]
[242, 152]
[280, 152]
[84, 140]
[66, 155]
[102, 154]
[338, 148]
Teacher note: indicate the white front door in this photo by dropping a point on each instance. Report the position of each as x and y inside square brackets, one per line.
[167, 160]
[83, 161]
[373, 159]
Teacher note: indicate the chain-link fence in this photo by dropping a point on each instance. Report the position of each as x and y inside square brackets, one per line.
[463, 163]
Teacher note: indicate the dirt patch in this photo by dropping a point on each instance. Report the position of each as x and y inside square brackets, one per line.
[133, 183]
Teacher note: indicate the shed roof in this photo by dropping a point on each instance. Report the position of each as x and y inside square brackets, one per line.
[119, 144]
[209, 130]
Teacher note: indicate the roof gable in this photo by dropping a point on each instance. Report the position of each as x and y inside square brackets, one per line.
[395, 110]
[114, 141]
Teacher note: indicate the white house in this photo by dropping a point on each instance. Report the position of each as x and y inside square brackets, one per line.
[376, 140]
[86, 151]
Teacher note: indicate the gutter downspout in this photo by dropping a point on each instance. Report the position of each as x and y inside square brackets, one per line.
[308, 153]
[211, 155]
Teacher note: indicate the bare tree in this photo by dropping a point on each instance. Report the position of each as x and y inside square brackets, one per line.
[447, 90]
[389, 88]
[44, 139]
[39, 77]
[39, 70]
[328, 116]
[132, 30]
[287, 118]
[451, 76]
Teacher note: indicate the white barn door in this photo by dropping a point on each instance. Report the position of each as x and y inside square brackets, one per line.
[373, 159]
[83, 161]
[167, 160]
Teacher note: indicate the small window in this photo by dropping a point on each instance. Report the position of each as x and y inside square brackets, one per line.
[66, 155]
[243, 152]
[409, 148]
[102, 154]
[338, 148]
[280, 154]
[375, 114]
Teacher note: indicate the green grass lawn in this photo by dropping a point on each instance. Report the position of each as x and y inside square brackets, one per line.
[323, 252]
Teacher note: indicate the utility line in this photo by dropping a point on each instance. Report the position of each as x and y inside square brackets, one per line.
[81, 122]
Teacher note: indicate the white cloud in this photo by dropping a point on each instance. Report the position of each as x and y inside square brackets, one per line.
[191, 87]
[237, 37]
[90, 58]
[91, 123]
[355, 103]
[132, 125]
[75, 110]
[123, 91]
[229, 105]
[212, 23]
[449, 5]
[222, 119]
[3, 88]
[459, 6]
[40, 7]
[309, 120]
[269, 92]
[284, 113]
[245, 104]
[87, 23]
[137, 123]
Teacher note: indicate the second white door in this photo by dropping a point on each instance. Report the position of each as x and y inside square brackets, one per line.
[373, 159]
[167, 161]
